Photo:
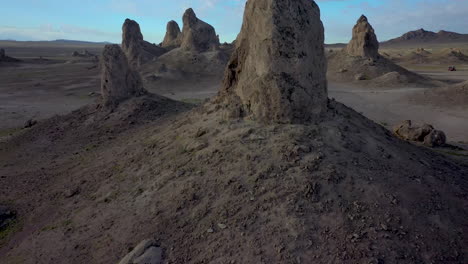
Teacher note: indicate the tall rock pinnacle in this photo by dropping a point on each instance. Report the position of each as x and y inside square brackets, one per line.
[277, 73]
[196, 34]
[137, 50]
[173, 35]
[118, 80]
[364, 42]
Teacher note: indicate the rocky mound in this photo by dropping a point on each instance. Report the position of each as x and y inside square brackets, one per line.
[207, 188]
[173, 36]
[360, 61]
[5, 58]
[84, 54]
[197, 35]
[448, 96]
[138, 50]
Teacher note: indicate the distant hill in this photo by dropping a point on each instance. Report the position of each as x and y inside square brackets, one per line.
[79, 41]
[422, 36]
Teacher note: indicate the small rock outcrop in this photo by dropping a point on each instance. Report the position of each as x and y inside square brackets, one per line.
[197, 35]
[137, 50]
[147, 252]
[119, 81]
[424, 133]
[173, 36]
[2, 54]
[84, 54]
[5, 58]
[272, 78]
[364, 42]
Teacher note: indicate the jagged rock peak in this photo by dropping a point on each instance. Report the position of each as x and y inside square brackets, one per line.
[132, 42]
[364, 42]
[118, 80]
[277, 73]
[173, 35]
[197, 35]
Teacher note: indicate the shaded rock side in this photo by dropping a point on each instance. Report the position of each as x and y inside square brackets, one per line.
[147, 252]
[173, 36]
[364, 42]
[118, 80]
[277, 73]
[197, 35]
[137, 50]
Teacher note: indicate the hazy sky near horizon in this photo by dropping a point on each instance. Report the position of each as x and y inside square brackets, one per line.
[101, 20]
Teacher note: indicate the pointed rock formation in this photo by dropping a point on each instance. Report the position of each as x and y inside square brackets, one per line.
[137, 50]
[118, 80]
[197, 35]
[173, 35]
[277, 73]
[364, 42]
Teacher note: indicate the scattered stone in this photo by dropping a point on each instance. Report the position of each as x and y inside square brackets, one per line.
[7, 216]
[71, 192]
[137, 50]
[360, 77]
[436, 138]
[210, 230]
[222, 226]
[118, 80]
[272, 78]
[197, 35]
[364, 42]
[147, 252]
[30, 123]
[173, 36]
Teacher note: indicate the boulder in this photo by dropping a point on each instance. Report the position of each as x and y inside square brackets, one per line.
[29, 123]
[360, 77]
[119, 81]
[277, 73]
[137, 50]
[147, 252]
[364, 42]
[7, 216]
[197, 35]
[435, 138]
[173, 36]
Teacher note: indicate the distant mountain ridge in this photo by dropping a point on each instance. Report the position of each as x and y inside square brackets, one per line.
[424, 36]
[64, 41]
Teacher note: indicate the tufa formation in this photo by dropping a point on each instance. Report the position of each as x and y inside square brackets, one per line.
[197, 35]
[118, 80]
[272, 78]
[173, 35]
[137, 50]
[2, 54]
[364, 42]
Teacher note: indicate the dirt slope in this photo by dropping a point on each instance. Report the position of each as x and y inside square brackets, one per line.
[213, 190]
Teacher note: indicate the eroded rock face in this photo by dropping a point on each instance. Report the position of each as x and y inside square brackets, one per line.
[277, 73]
[173, 35]
[197, 35]
[364, 42]
[118, 80]
[137, 50]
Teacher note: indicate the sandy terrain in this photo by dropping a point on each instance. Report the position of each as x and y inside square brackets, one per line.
[36, 89]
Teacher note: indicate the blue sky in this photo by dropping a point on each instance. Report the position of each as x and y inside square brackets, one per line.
[101, 20]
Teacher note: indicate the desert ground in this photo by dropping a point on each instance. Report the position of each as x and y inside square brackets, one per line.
[275, 148]
[59, 83]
